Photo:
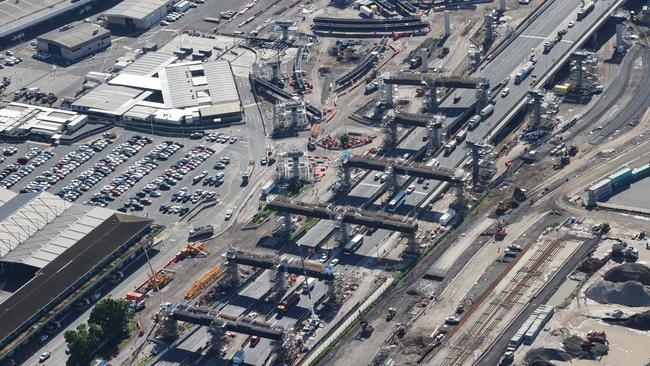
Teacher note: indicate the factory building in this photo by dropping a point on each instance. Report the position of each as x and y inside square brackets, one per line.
[53, 253]
[36, 122]
[18, 17]
[138, 14]
[159, 88]
[74, 42]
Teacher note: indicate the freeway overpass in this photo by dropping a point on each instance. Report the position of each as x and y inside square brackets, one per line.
[432, 79]
[306, 267]
[229, 325]
[416, 170]
[345, 215]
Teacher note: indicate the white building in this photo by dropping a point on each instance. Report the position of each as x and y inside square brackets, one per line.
[38, 122]
[73, 43]
[139, 14]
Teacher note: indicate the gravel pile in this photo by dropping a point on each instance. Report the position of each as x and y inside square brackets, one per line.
[543, 356]
[629, 272]
[630, 293]
[637, 321]
[574, 346]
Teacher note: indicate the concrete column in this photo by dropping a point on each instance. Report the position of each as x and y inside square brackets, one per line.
[294, 115]
[431, 97]
[447, 20]
[502, 5]
[295, 174]
[412, 246]
[459, 202]
[232, 270]
[489, 31]
[344, 233]
[482, 94]
[433, 130]
[347, 176]
[474, 150]
[536, 106]
[170, 328]
[280, 279]
[389, 95]
[620, 44]
[215, 342]
[331, 292]
[275, 70]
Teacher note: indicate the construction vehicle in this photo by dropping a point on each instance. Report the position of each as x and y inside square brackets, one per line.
[366, 328]
[391, 314]
[518, 196]
[157, 281]
[191, 250]
[208, 277]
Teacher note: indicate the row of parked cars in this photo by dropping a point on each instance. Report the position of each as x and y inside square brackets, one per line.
[13, 173]
[171, 176]
[84, 181]
[134, 174]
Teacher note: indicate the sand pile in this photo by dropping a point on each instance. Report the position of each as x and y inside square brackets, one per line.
[630, 293]
[639, 321]
[629, 272]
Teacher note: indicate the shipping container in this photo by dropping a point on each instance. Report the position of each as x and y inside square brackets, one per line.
[621, 177]
[641, 172]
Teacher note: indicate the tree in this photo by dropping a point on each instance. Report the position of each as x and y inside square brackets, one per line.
[112, 316]
[83, 343]
[344, 139]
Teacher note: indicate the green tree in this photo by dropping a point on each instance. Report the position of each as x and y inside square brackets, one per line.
[344, 139]
[83, 343]
[112, 316]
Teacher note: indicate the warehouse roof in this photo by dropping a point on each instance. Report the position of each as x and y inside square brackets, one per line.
[107, 97]
[136, 9]
[18, 15]
[75, 36]
[68, 268]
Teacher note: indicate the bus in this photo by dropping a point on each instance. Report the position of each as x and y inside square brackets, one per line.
[353, 244]
[585, 10]
[396, 201]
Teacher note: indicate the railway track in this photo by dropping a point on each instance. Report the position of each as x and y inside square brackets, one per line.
[500, 305]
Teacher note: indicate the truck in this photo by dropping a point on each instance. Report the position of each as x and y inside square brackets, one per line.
[446, 218]
[524, 72]
[450, 146]
[474, 122]
[268, 187]
[182, 6]
[548, 45]
[488, 110]
[585, 10]
[308, 285]
[246, 174]
[366, 12]
[461, 135]
[353, 244]
[289, 301]
[201, 231]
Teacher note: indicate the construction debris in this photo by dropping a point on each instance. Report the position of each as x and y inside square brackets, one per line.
[210, 276]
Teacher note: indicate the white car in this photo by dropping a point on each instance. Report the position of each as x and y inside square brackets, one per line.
[334, 262]
[571, 24]
[228, 215]
[410, 189]
[44, 356]
[378, 176]
[505, 92]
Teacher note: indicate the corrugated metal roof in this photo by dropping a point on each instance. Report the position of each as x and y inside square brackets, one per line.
[221, 82]
[621, 173]
[15, 15]
[136, 9]
[192, 84]
[107, 97]
[76, 36]
[150, 63]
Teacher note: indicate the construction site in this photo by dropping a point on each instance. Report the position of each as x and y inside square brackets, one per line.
[415, 183]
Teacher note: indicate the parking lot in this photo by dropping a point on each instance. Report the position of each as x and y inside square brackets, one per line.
[158, 177]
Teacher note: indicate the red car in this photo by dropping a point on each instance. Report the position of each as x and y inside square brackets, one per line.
[254, 341]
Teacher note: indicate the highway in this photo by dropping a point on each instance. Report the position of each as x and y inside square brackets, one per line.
[503, 66]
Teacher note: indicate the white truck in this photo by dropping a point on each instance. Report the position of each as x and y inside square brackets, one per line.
[366, 12]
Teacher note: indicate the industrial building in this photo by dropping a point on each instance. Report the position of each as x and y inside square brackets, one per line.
[40, 123]
[16, 17]
[74, 42]
[138, 14]
[160, 88]
[51, 253]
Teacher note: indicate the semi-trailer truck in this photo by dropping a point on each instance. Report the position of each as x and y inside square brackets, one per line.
[524, 72]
